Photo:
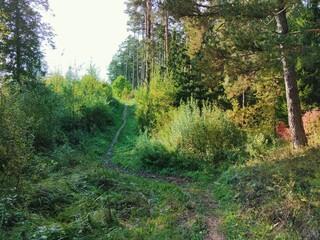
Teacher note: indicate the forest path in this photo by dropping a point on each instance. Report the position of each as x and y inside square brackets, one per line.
[116, 136]
[202, 198]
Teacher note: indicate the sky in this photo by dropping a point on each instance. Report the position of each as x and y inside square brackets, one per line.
[87, 31]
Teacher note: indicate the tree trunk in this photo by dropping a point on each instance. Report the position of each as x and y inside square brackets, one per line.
[299, 138]
[148, 41]
[17, 38]
[315, 9]
[137, 66]
[166, 30]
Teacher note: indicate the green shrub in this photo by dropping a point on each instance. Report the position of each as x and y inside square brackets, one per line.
[154, 155]
[10, 212]
[259, 144]
[16, 140]
[154, 106]
[121, 87]
[206, 132]
[43, 108]
[98, 116]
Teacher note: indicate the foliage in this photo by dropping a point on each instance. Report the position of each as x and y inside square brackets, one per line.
[155, 156]
[311, 121]
[259, 144]
[153, 153]
[54, 134]
[283, 131]
[15, 138]
[43, 113]
[187, 83]
[88, 103]
[10, 211]
[21, 54]
[121, 87]
[97, 117]
[39, 116]
[154, 105]
[205, 131]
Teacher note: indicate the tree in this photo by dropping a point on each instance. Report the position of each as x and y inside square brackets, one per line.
[20, 54]
[292, 94]
[148, 27]
[242, 33]
[127, 62]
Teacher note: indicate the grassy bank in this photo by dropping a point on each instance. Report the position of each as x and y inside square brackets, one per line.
[276, 197]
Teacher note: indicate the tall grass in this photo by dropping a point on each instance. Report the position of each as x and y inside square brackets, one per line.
[205, 131]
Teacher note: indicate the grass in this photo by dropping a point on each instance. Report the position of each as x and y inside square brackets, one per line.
[139, 153]
[68, 194]
[274, 198]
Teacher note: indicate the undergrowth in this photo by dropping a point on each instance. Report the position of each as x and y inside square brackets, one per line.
[69, 194]
[274, 198]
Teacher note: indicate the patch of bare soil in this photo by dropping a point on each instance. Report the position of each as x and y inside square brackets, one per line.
[213, 223]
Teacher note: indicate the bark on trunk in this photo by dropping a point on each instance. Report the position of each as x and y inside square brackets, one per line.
[315, 8]
[299, 138]
[18, 67]
[166, 30]
[148, 41]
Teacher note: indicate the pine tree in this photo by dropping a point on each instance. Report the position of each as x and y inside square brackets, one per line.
[20, 54]
[292, 93]
[243, 34]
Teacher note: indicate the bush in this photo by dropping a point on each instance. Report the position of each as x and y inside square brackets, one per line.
[98, 116]
[10, 212]
[258, 144]
[283, 132]
[49, 199]
[154, 155]
[206, 132]
[311, 124]
[15, 137]
[153, 107]
[43, 109]
[121, 87]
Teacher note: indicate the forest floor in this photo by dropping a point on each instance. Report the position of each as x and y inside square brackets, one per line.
[203, 197]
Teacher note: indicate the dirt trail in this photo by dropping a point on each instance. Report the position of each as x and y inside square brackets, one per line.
[108, 164]
[115, 138]
[212, 221]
